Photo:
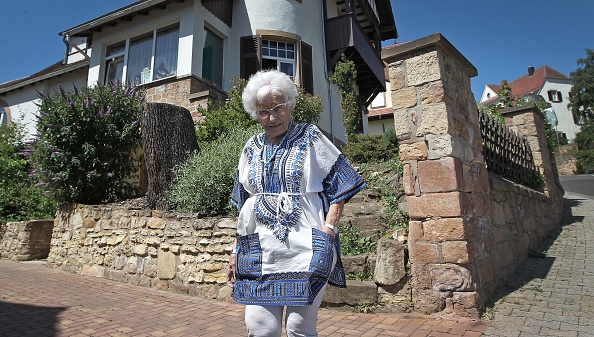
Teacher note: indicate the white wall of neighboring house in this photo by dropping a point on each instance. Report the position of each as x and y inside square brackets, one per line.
[23, 102]
[488, 94]
[564, 116]
[376, 126]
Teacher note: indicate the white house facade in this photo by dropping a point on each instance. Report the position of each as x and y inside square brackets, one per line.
[186, 52]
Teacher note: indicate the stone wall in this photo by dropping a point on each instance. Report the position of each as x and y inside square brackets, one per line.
[168, 251]
[460, 225]
[26, 240]
[566, 162]
[188, 92]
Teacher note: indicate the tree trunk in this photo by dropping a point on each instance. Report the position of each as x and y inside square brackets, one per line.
[168, 139]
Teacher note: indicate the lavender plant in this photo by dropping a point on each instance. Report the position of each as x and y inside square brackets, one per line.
[84, 149]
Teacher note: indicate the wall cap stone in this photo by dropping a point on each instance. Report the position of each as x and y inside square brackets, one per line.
[393, 53]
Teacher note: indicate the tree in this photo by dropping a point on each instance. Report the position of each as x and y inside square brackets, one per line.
[168, 140]
[581, 99]
[506, 97]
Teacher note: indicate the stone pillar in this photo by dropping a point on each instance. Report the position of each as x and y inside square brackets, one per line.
[528, 121]
[445, 178]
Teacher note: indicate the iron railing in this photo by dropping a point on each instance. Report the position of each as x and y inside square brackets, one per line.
[508, 154]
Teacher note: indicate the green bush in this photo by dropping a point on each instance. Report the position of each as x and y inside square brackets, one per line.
[19, 198]
[204, 183]
[222, 118]
[585, 138]
[352, 243]
[85, 143]
[370, 149]
[307, 108]
[585, 161]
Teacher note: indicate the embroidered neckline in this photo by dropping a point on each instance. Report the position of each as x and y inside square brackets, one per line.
[263, 160]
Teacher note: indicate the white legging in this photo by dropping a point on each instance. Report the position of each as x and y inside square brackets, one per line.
[266, 321]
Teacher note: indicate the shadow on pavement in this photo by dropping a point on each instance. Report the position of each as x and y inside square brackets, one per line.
[537, 264]
[28, 320]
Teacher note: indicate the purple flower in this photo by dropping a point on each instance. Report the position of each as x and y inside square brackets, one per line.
[41, 183]
[62, 90]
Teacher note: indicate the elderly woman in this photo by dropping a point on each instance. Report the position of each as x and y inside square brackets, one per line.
[290, 190]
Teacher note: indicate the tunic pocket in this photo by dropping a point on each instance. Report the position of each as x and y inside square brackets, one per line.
[323, 255]
[249, 257]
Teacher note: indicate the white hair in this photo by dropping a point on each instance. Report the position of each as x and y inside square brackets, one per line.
[268, 82]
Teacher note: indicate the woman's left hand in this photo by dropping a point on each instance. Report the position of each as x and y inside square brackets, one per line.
[328, 231]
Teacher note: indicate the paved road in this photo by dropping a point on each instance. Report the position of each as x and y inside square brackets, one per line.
[39, 301]
[582, 184]
[554, 295]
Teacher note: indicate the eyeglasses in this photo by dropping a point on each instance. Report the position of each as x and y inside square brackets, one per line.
[277, 110]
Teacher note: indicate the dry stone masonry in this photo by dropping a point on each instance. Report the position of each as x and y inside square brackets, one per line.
[169, 251]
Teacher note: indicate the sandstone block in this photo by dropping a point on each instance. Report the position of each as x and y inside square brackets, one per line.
[456, 252]
[432, 93]
[166, 265]
[401, 124]
[408, 180]
[446, 229]
[450, 204]
[156, 223]
[397, 75]
[465, 304]
[389, 265]
[436, 120]
[451, 277]
[413, 151]
[424, 252]
[442, 175]
[404, 98]
[415, 231]
[422, 69]
[356, 293]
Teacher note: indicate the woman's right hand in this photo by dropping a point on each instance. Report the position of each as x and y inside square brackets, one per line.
[231, 271]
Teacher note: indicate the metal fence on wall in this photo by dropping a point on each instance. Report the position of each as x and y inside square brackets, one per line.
[508, 154]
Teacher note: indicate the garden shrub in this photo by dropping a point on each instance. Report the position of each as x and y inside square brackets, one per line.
[19, 198]
[370, 149]
[85, 143]
[204, 183]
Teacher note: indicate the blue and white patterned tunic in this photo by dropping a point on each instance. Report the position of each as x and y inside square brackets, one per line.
[283, 193]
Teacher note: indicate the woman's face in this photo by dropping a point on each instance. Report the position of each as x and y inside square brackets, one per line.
[274, 115]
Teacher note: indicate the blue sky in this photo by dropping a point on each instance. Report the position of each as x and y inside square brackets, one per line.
[500, 38]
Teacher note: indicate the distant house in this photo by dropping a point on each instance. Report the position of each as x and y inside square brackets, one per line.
[552, 85]
[186, 52]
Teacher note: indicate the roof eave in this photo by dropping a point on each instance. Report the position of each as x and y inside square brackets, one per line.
[87, 28]
[44, 77]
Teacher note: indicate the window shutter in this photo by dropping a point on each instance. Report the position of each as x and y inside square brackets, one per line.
[251, 56]
[559, 96]
[307, 68]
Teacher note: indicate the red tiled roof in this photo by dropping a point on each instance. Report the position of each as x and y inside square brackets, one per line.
[380, 112]
[53, 70]
[528, 84]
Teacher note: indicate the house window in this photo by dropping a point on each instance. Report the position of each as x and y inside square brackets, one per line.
[293, 57]
[555, 96]
[280, 56]
[144, 58]
[212, 58]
